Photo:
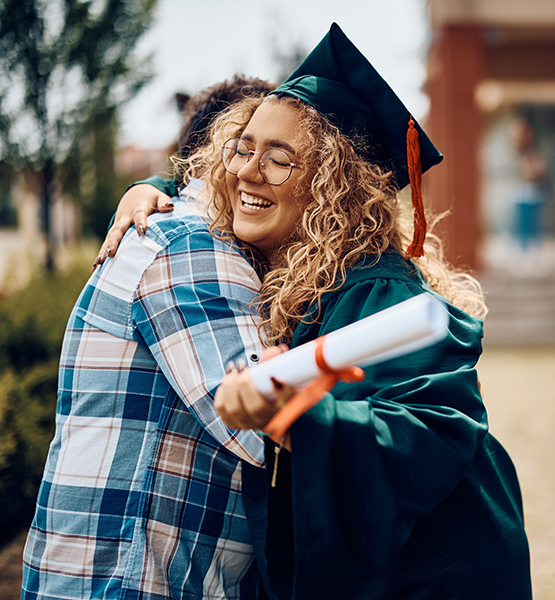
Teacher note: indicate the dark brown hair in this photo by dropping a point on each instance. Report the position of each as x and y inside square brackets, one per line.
[200, 110]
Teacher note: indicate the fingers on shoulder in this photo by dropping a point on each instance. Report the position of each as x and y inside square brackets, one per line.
[164, 203]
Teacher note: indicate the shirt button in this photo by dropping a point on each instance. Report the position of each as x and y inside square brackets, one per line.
[254, 357]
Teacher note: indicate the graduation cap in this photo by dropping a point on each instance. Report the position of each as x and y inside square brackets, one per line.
[338, 80]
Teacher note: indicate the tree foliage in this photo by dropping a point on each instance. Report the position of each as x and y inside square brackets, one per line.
[63, 65]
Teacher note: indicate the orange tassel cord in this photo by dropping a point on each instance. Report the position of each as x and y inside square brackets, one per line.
[416, 247]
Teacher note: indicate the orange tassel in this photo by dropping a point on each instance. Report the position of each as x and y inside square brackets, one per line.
[416, 247]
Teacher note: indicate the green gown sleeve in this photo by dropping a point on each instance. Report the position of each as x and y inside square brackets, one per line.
[168, 186]
[372, 457]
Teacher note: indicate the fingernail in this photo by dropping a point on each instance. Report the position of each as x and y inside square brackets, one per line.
[95, 263]
[277, 384]
[169, 204]
[241, 364]
[229, 367]
[140, 230]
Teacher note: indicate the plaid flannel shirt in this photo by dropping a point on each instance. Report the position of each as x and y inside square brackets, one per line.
[141, 494]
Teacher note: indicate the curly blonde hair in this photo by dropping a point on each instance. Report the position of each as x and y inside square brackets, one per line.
[352, 204]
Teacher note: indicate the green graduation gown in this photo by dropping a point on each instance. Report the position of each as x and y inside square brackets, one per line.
[394, 489]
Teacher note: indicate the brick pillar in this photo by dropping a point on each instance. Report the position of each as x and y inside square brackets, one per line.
[454, 124]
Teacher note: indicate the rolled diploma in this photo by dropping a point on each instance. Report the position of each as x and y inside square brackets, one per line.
[400, 329]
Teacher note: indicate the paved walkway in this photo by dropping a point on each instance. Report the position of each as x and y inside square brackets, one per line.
[518, 386]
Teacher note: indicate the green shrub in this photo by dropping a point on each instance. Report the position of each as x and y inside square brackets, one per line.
[32, 325]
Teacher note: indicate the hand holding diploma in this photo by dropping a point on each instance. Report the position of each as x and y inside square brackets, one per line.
[398, 330]
[240, 404]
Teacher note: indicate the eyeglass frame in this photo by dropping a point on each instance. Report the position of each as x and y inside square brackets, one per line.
[292, 165]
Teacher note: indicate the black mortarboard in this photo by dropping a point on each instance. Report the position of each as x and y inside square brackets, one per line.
[338, 80]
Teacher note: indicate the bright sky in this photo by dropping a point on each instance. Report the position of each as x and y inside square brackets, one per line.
[199, 42]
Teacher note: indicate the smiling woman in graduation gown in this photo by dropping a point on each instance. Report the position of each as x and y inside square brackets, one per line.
[393, 490]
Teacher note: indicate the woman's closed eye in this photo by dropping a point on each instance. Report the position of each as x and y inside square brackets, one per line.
[279, 163]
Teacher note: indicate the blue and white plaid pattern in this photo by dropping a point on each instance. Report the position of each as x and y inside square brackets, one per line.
[141, 496]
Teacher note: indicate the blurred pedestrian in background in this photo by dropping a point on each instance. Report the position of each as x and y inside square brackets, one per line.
[529, 197]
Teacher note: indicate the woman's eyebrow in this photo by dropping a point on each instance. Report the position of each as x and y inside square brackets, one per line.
[271, 143]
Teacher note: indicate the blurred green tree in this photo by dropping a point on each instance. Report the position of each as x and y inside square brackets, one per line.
[7, 210]
[65, 65]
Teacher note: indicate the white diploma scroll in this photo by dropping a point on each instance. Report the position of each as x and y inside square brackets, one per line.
[400, 329]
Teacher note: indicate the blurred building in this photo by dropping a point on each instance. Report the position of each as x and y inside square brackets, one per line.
[489, 61]
[22, 246]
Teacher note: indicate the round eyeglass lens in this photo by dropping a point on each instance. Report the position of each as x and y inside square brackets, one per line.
[235, 155]
[274, 164]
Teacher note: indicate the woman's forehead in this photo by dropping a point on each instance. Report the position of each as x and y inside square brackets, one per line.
[274, 124]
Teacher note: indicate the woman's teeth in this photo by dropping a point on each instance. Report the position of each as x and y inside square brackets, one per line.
[255, 203]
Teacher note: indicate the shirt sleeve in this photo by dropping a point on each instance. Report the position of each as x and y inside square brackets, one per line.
[192, 310]
[372, 457]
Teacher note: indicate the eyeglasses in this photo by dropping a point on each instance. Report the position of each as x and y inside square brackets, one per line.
[274, 164]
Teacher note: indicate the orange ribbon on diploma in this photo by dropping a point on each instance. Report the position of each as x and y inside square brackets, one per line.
[311, 393]
[340, 355]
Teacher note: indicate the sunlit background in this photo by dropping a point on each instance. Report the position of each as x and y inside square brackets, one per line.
[471, 72]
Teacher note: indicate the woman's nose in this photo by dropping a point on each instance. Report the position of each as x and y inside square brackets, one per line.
[250, 171]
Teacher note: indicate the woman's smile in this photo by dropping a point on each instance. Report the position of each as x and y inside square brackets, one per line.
[255, 203]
